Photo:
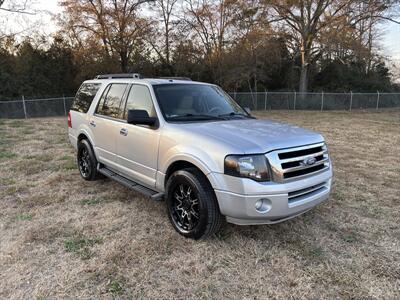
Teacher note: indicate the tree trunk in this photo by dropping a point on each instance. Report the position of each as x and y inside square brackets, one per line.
[303, 85]
[170, 68]
[124, 61]
[167, 46]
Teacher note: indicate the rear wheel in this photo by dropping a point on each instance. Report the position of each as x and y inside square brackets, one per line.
[87, 162]
[192, 206]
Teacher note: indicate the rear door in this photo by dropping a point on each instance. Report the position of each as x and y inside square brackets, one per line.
[105, 123]
[138, 144]
[78, 111]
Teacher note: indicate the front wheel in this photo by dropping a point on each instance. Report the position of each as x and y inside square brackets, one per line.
[191, 203]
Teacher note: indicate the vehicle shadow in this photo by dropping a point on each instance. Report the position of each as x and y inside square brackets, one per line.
[305, 231]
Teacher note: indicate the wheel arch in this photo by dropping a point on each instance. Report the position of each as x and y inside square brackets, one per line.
[179, 165]
[83, 135]
[187, 162]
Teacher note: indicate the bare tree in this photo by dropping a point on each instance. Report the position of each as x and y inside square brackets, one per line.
[16, 7]
[113, 22]
[165, 30]
[19, 10]
[306, 22]
[210, 23]
[366, 15]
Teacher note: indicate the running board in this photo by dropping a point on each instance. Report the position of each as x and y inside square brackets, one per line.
[137, 187]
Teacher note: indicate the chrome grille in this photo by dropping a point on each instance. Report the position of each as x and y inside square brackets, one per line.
[295, 163]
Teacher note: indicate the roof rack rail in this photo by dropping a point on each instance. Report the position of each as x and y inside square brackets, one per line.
[176, 78]
[122, 75]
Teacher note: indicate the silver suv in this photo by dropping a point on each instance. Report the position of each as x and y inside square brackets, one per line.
[191, 144]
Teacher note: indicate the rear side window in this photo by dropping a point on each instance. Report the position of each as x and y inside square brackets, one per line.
[111, 100]
[139, 98]
[85, 96]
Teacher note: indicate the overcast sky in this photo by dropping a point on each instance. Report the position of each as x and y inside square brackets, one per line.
[389, 41]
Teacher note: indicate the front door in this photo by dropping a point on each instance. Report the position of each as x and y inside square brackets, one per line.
[138, 144]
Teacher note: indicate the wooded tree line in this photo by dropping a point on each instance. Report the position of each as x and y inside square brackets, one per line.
[242, 45]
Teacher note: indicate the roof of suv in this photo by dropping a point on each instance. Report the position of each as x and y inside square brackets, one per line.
[152, 81]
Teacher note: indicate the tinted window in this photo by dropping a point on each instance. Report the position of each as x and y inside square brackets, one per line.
[139, 98]
[111, 100]
[177, 100]
[85, 96]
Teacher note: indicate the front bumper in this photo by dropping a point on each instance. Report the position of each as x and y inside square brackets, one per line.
[284, 200]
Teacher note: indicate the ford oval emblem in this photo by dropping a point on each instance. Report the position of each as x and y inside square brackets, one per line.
[309, 161]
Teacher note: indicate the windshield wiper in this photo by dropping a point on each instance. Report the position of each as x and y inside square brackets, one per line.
[233, 114]
[196, 116]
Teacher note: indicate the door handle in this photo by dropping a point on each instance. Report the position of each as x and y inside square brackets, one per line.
[92, 123]
[123, 132]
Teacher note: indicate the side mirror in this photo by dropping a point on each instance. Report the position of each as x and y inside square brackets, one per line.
[247, 109]
[140, 117]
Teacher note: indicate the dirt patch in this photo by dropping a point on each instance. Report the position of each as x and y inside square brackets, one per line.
[62, 237]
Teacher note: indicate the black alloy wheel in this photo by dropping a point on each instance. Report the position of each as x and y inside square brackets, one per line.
[191, 204]
[185, 207]
[87, 162]
[84, 163]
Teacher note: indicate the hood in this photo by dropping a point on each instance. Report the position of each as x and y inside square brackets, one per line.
[254, 136]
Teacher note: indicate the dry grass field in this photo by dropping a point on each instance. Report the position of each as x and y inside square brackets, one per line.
[62, 237]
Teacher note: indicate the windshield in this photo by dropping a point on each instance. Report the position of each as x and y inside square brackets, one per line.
[182, 102]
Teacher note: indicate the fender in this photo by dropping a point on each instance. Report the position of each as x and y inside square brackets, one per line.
[84, 129]
[195, 160]
[189, 158]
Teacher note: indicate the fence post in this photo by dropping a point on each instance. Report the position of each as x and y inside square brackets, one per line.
[65, 109]
[322, 100]
[294, 104]
[23, 105]
[351, 99]
[377, 100]
[265, 100]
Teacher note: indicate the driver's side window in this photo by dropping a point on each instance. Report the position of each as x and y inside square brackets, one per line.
[139, 97]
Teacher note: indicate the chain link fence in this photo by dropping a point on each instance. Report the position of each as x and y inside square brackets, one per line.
[316, 101]
[59, 106]
[33, 108]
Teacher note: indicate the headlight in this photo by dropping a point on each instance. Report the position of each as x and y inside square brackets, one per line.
[249, 166]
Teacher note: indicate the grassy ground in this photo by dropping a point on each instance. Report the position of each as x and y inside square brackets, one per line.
[62, 237]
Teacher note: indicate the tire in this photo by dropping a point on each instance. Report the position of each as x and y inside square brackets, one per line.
[191, 218]
[87, 162]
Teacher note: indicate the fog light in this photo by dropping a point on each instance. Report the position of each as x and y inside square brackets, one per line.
[263, 205]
